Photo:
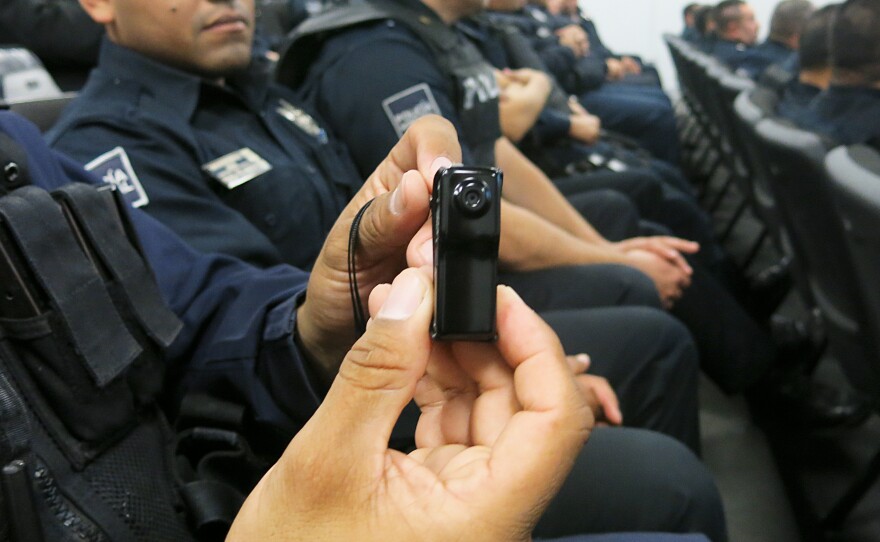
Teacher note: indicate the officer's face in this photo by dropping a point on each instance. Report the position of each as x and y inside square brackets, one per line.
[748, 25]
[211, 38]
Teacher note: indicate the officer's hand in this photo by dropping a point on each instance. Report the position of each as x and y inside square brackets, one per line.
[669, 279]
[597, 391]
[575, 38]
[631, 65]
[401, 187]
[501, 425]
[667, 247]
[615, 69]
[585, 128]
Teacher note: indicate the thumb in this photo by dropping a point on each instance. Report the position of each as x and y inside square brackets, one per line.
[378, 376]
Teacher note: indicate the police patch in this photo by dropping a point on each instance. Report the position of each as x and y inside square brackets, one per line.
[114, 168]
[237, 168]
[404, 108]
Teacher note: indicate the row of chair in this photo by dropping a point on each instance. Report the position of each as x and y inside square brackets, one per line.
[820, 207]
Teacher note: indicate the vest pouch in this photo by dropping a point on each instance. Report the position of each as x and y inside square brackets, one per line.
[74, 348]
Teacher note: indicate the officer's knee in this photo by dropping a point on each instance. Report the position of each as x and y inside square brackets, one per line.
[636, 288]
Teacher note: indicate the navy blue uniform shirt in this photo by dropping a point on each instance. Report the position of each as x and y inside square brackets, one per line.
[757, 59]
[848, 115]
[238, 320]
[365, 79]
[796, 101]
[238, 169]
[728, 52]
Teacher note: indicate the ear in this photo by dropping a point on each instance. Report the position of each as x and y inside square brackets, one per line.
[102, 11]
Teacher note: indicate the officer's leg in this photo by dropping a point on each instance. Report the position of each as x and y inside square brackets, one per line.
[654, 127]
[611, 212]
[583, 286]
[635, 480]
[648, 358]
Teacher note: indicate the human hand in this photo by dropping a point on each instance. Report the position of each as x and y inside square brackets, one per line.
[401, 186]
[631, 65]
[501, 425]
[615, 69]
[669, 279]
[585, 128]
[575, 38]
[598, 393]
[667, 247]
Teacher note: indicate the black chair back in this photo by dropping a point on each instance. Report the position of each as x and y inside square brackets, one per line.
[855, 179]
[805, 199]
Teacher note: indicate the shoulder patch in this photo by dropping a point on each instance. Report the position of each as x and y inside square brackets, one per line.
[114, 168]
[405, 107]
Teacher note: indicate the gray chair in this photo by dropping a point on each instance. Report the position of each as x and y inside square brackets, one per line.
[805, 197]
[23, 77]
[42, 112]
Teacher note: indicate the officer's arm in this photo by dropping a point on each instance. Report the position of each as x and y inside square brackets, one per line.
[164, 164]
[55, 31]
[527, 186]
[524, 94]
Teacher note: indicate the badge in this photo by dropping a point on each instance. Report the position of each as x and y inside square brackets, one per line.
[237, 168]
[114, 168]
[302, 120]
[406, 107]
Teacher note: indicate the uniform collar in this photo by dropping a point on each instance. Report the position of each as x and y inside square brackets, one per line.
[168, 85]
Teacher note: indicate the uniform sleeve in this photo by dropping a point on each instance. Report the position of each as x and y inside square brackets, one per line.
[239, 321]
[37, 25]
[141, 153]
[364, 85]
[550, 127]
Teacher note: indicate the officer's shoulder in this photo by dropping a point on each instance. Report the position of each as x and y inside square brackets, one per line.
[374, 32]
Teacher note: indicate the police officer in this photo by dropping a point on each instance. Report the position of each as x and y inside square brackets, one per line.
[197, 164]
[282, 381]
[640, 112]
[736, 31]
[784, 39]
[848, 111]
[811, 74]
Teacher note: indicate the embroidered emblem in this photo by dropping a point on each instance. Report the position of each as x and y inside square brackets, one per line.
[405, 107]
[114, 168]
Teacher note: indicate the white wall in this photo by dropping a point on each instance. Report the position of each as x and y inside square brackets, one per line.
[636, 26]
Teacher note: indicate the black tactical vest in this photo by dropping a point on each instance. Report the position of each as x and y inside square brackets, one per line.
[476, 90]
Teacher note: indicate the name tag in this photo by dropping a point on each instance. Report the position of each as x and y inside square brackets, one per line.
[237, 168]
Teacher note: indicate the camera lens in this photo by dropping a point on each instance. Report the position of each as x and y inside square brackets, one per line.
[471, 197]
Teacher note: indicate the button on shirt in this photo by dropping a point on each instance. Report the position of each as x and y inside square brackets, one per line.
[235, 169]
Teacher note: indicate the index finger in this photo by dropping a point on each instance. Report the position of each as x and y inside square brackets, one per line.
[429, 144]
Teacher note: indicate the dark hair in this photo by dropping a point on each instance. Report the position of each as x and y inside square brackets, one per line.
[855, 47]
[815, 52]
[690, 8]
[725, 13]
[702, 18]
[789, 18]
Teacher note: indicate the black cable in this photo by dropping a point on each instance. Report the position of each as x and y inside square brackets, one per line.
[360, 318]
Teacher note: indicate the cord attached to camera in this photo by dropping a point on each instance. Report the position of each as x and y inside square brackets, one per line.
[360, 317]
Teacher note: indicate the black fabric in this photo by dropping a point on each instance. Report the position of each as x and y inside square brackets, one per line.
[71, 284]
[99, 217]
[13, 165]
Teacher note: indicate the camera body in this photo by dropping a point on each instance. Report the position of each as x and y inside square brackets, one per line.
[466, 218]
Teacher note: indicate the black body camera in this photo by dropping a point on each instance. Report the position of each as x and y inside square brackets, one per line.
[466, 215]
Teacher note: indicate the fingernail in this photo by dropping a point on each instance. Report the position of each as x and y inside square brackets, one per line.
[398, 198]
[438, 163]
[583, 360]
[407, 292]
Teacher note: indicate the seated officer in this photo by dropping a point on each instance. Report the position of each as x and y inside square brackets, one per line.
[705, 24]
[784, 40]
[628, 69]
[736, 31]
[848, 111]
[238, 341]
[690, 32]
[814, 58]
[641, 112]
